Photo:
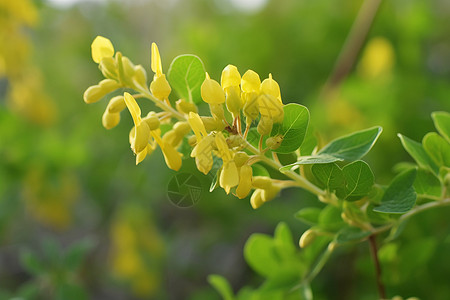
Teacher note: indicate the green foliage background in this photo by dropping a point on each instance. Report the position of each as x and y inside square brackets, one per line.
[86, 175]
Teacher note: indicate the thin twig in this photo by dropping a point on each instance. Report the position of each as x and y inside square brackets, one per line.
[352, 45]
[374, 252]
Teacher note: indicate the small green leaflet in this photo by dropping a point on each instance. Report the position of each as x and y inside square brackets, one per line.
[400, 196]
[350, 147]
[359, 180]
[330, 176]
[222, 286]
[351, 183]
[437, 148]
[186, 75]
[427, 185]
[309, 215]
[353, 146]
[419, 154]
[312, 160]
[441, 121]
[293, 128]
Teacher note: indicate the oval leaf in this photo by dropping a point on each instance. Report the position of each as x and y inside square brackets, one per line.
[437, 148]
[419, 154]
[358, 180]
[441, 121]
[400, 196]
[293, 128]
[329, 175]
[353, 146]
[186, 75]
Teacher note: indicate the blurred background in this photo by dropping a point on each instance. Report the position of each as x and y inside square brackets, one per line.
[78, 219]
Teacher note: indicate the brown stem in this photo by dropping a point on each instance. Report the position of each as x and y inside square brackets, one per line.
[374, 252]
[353, 44]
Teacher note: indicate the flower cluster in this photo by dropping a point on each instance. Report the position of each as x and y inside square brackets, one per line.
[235, 104]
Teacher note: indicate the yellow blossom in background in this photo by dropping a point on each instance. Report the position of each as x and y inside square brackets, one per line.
[378, 59]
[50, 202]
[136, 251]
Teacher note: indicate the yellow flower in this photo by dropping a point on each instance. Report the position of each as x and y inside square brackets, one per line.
[212, 92]
[271, 87]
[101, 47]
[159, 87]
[197, 126]
[142, 131]
[250, 85]
[230, 77]
[245, 181]
[203, 154]
[229, 176]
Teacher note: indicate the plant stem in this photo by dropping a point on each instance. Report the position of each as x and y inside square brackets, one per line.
[374, 252]
[301, 181]
[353, 44]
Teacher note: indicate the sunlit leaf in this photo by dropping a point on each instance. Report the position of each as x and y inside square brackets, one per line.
[293, 128]
[186, 75]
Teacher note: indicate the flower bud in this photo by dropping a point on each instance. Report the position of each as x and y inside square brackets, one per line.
[251, 105]
[160, 87]
[271, 108]
[96, 92]
[212, 92]
[233, 100]
[192, 140]
[212, 124]
[245, 181]
[250, 82]
[128, 67]
[241, 158]
[269, 193]
[235, 141]
[274, 142]
[256, 200]
[186, 107]
[116, 104]
[271, 87]
[140, 76]
[307, 238]
[265, 126]
[110, 120]
[261, 182]
[229, 176]
[108, 67]
[141, 155]
[152, 121]
[141, 137]
[217, 111]
[230, 77]
[172, 157]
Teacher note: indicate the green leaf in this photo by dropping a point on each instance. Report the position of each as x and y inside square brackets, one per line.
[358, 180]
[400, 196]
[418, 153]
[259, 170]
[330, 176]
[186, 75]
[222, 286]
[353, 146]
[293, 128]
[283, 241]
[330, 218]
[312, 160]
[351, 235]
[31, 262]
[259, 254]
[76, 253]
[437, 148]
[441, 121]
[309, 215]
[427, 185]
